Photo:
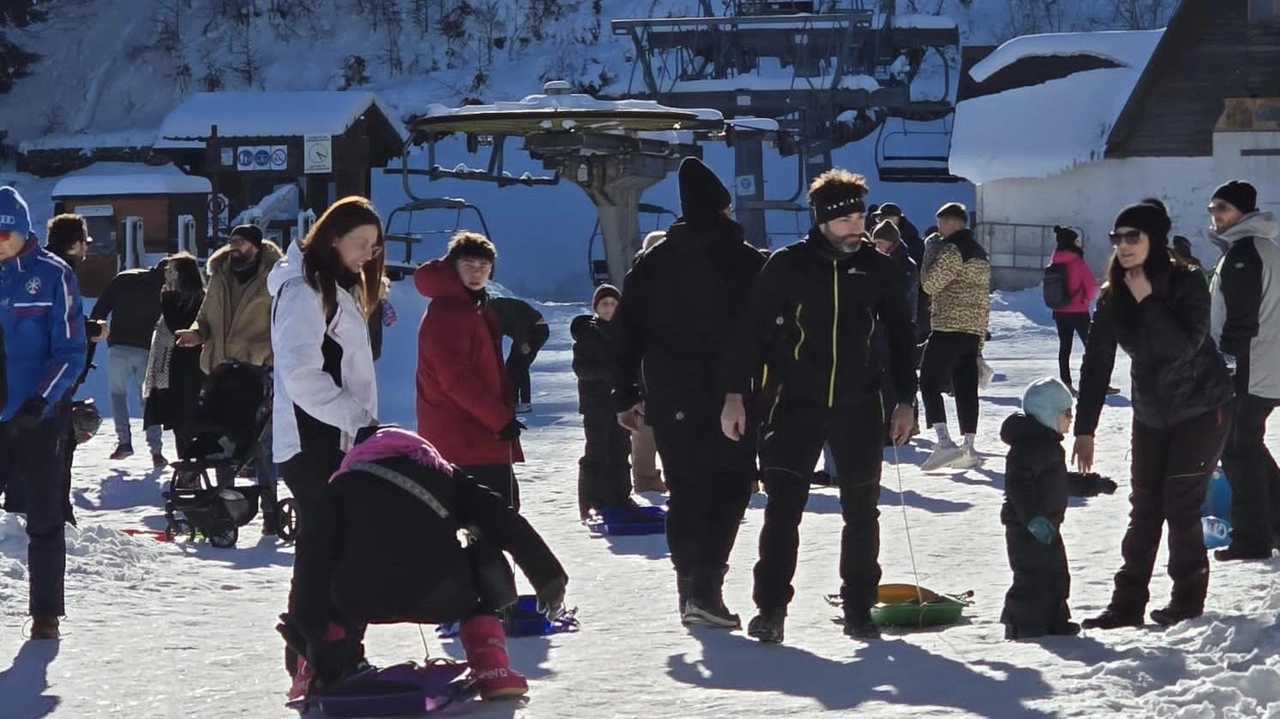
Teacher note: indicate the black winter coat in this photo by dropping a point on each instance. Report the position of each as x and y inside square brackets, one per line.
[132, 299]
[1035, 472]
[593, 363]
[175, 407]
[517, 318]
[911, 238]
[813, 316]
[1177, 371]
[399, 560]
[682, 303]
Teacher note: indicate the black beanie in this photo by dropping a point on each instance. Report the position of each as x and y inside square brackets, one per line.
[1240, 194]
[602, 292]
[1066, 237]
[1148, 218]
[700, 190]
[887, 231]
[250, 233]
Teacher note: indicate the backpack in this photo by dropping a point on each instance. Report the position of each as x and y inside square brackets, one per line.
[1056, 292]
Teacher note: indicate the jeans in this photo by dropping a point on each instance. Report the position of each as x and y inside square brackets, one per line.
[127, 369]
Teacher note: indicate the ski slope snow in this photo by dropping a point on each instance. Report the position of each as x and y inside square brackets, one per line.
[167, 630]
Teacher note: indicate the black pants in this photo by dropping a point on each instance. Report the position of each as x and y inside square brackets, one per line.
[306, 474]
[953, 357]
[709, 483]
[1069, 324]
[32, 464]
[1171, 469]
[518, 363]
[501, 478]
[794, 436]
[1254, 477]
[604, 474]
[1036, 603]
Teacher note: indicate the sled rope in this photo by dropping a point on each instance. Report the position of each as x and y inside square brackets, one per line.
[911, 552]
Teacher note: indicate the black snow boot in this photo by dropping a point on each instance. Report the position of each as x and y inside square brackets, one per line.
[1172, 614]
[858, 624]
[1113, 618]
[682, 593]
[705, 602]
[768, 626]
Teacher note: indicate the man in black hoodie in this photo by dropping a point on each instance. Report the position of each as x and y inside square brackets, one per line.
[132, 300]
[680, 303]
[812, 316]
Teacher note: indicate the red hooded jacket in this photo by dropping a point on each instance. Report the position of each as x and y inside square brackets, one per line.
[464, 395]
[1080, 281]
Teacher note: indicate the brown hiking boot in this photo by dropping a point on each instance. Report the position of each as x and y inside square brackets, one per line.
[44, 628]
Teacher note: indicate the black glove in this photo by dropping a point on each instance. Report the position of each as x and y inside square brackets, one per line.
[551, 597]
[1089, 485]
[1104, 485]
[30, 413]
[511, 431]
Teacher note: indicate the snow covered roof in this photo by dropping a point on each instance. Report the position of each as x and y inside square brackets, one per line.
[569, 104]
[123, 178]
[86, 141]
[1039, 130]
[266, 114]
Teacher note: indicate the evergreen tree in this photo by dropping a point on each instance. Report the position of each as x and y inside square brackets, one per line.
[15, 62]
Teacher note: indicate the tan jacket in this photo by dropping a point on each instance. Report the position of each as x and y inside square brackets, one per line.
[958, 280]
[246, 334]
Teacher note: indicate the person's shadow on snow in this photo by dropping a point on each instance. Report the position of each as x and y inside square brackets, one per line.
[890, 670]
[23, 684]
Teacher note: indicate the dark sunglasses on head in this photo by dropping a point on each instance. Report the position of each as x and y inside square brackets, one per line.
[1129, 238]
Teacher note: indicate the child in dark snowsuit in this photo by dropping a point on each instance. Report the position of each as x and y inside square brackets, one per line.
[1035, 503]
[604, 473]
[399, 559]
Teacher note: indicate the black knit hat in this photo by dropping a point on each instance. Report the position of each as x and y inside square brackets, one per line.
[249, 233]
[1148, 218]
[1240, 194]
[890, 209]
[887, 231]
[603, 292]
[700, 190]
[1066, 237]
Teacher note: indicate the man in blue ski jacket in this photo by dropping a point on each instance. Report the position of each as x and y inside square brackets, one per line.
[44, 354]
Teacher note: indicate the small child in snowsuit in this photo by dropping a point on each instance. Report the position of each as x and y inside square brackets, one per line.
[604, 472]
[1035, 503]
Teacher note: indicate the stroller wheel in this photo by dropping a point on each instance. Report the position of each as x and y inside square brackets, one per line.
[288, 513]
[225, 536]
[179, 530]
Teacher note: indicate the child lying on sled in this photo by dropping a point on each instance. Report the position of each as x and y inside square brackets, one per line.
[422, 542]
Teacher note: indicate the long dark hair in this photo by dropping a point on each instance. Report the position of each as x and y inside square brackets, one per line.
[1160, 266]
[190, 281]
[322, 265]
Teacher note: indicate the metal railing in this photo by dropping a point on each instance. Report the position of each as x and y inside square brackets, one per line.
[1017, 245]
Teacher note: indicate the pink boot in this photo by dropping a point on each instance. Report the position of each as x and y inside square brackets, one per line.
[486, 646]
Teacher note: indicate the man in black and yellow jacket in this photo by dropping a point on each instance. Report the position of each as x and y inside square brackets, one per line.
[811, 319]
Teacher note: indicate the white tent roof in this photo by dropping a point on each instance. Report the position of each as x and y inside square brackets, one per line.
[122, 178]
[1041, 130]
[266, 114]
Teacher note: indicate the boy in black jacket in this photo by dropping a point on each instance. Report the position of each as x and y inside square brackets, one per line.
[1035, 502]
[604, 478]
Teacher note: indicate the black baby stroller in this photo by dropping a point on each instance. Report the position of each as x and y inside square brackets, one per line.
[232, 416]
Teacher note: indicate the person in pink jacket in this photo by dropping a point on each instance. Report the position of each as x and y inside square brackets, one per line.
[1073, 317]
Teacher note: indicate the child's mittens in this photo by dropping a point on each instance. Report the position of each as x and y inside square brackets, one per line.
[1090, 484]
[1104, 485]
[388, 312]
[1042, 529]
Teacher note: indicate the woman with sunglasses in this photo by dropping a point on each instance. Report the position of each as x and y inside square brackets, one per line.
[1155, 307]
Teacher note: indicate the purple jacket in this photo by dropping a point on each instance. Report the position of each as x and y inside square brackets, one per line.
[1080, 282]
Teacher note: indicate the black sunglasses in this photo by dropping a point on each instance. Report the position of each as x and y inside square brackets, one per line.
[1132, 237]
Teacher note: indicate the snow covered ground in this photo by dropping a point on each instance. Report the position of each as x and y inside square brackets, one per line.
[159, 629]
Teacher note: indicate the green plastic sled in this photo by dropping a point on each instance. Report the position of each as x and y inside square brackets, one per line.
[900, 606]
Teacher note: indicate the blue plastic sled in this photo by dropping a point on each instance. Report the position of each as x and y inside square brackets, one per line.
[1217, 498]
[523, 619]
[628, 521]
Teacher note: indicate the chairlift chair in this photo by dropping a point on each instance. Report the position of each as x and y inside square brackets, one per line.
[897, 160]
[397, 270]
[599, 268]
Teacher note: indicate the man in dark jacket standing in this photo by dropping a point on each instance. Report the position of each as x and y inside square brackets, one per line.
[812, 315]
[680, 304]
[1245, 322]
[132, 301]
[43, 330]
